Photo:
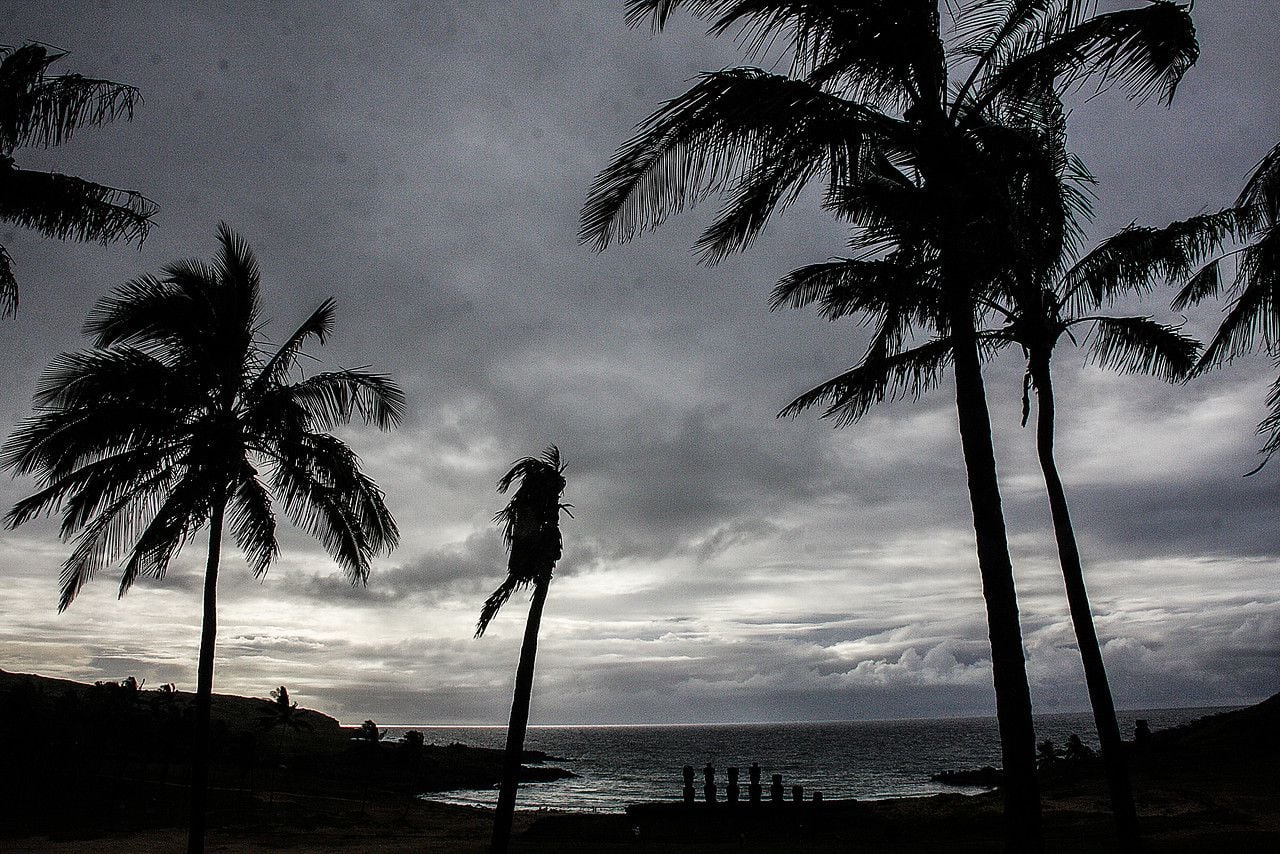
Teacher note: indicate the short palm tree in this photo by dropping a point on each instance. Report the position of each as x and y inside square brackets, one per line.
[42, 110]
[287, 718]
[182, 417]
[531, 529]
[869, 108]
[284, 714]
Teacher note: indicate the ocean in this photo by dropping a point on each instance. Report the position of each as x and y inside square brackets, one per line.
[620, 765]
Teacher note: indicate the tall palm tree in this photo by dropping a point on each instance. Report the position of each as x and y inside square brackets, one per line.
[531, 530]
[1037, 319]
[869, 107]
[1254, 310]
[181, 416]
[42, 110]
[1040, 303]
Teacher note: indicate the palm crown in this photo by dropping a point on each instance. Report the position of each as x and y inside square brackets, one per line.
[42, 110]
[180, 412]
[530, 527]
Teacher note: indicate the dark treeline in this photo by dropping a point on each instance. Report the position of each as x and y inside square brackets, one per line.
[117, 756]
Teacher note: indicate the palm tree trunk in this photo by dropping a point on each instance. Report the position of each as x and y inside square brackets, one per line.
[1095, 673]
[519, 721]
[1008, 665]
[204, 685]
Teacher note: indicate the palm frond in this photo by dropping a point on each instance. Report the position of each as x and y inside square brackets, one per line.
[331, 398]
[106, 537]
[8, 285]
[1255, 311]
[496, 600]
[852, 286]
[65, 207]
[54, 443]
[1205, 284]
[319, 325]
[1137, 259]
[1139, 345]
[849, 396]
[726, 125]
[117, 376]
[182, 512]
[657, 11]
[1145, 51]
[253, 524]
[148, 309]
[44, 111]
[318, 480]
[762, 191]
[1270, 426]
[93, 486]
[240, 294]
[531, 520]
[1262, 191]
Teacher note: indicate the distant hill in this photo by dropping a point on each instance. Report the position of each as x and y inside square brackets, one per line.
[1253, 732]
[120, 747]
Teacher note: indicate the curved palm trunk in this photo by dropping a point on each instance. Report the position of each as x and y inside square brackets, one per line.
[1008, 665]
[519, 721]
[1095, 673]
[204, 686]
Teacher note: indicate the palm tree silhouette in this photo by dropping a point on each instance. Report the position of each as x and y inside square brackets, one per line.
[163, 426]
[1040, 303]
[907, 158]
[42, 110]
[531, 530]
[285, 714]
[1254, 310]
[1035, 320]
[286, 717]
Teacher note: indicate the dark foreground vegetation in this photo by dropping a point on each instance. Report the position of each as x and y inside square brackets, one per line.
[101, 768]
[83, 760]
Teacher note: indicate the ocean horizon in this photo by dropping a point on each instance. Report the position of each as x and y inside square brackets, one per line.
[620, 764]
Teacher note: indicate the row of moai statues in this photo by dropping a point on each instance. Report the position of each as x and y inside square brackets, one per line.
[754, 790]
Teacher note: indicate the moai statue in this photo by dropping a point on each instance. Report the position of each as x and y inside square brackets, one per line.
[754, 789]
[688, 784]
[817, 797]
[709, 784]
[775, 791]
[731, 791]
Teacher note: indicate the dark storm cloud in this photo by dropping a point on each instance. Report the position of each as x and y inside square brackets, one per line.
[425, 163]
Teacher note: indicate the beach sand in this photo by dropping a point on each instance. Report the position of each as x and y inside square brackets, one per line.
[1175, 819]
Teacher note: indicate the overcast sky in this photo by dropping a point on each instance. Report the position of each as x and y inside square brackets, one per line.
[425, 163]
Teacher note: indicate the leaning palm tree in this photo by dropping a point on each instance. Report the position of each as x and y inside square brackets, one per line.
[531, 530]
[181, 417]
[1037, 320]
[1040, 305]
[869, 108]
[42, 110]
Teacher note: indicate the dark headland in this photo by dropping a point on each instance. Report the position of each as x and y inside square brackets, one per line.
[101, 768]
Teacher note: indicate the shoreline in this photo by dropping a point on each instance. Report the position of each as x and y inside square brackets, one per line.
[109, 749]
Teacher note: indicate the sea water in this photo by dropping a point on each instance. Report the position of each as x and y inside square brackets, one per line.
[620, 765]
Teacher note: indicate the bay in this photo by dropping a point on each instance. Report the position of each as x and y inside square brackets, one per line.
[620, 765]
